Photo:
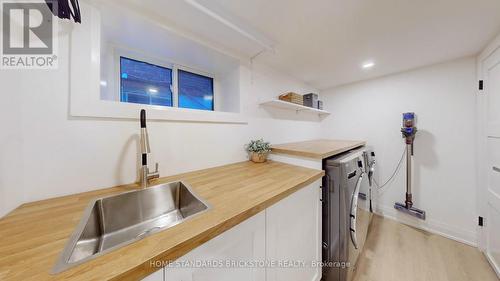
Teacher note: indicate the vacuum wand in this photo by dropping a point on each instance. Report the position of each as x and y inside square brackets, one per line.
[408, 201]
[409, 131]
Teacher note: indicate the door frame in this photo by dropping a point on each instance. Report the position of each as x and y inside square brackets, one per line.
[481, 148]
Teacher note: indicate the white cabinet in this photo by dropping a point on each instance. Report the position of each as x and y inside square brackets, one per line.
[157, 276]
[242, 243]
[293, 234]
[285, 234]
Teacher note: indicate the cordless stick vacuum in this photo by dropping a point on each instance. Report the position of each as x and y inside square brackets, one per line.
[409, 131]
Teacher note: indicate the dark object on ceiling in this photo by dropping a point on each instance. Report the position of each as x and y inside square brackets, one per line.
[66, 9]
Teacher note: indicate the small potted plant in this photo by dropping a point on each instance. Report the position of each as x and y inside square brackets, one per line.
[258, 150]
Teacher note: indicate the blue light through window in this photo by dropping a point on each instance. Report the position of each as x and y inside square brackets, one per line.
[145, 83]
[195, 91]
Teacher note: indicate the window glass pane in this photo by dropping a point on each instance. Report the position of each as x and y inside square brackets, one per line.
[195, 91]
[145, 83]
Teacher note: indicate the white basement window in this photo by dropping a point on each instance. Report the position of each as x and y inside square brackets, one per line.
[146, 83]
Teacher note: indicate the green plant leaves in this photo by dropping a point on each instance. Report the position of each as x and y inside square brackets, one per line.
[258, 146]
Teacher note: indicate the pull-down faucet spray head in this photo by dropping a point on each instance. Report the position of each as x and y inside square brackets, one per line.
[145, 174]
[144, 134]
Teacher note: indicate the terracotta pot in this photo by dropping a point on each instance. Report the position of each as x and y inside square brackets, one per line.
[258, 157]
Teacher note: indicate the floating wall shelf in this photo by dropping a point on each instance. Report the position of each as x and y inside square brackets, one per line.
[292, 106]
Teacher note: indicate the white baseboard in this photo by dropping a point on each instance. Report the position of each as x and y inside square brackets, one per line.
[493, 264]
[433, 226]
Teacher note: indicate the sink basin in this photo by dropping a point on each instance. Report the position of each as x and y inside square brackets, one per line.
[115, 221]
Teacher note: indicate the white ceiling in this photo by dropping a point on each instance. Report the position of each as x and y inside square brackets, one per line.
[324, 42]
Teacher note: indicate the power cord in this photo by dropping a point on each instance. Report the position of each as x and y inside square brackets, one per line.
[394, 173]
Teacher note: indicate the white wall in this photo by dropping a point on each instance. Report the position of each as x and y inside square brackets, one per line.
[44, 152]
[443, 96]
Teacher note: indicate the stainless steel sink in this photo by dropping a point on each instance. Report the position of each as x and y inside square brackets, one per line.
[115, 221]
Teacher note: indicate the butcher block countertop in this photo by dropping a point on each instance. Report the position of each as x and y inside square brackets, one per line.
[33, 236]
[318, 149]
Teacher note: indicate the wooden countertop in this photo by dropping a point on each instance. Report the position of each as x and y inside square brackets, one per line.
[33, 236]
[318, 149]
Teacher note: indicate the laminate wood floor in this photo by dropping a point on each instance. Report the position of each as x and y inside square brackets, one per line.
[397, 252]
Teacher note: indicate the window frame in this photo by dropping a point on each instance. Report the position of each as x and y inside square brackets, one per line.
[201, 73]
[140, 57]
[119, 78]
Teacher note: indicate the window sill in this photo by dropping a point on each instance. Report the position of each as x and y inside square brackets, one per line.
[112, 109]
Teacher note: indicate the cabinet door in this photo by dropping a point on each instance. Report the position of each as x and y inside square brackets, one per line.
[157, 276]
[242, 243]
[293, 233]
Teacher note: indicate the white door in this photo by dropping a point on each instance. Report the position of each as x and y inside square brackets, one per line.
[489, 157]
[293, 236]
